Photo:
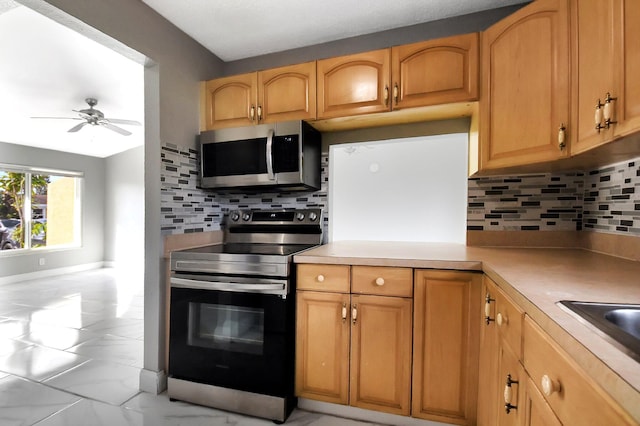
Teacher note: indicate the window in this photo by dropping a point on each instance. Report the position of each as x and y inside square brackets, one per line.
[39, 208]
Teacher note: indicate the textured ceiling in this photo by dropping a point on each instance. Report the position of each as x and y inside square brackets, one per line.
[48, 70]
[237, 29]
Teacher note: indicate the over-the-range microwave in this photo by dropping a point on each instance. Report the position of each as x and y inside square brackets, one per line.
[281, 156]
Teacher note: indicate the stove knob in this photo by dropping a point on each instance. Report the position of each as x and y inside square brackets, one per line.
[235, 216]
[246, 216]
[313, 216]
[300, 216]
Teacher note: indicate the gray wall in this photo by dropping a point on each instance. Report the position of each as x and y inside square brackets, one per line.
[92, 249]
[124, 210]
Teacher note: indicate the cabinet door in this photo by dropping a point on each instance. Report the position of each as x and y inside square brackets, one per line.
[231, 101]
[525, 99]
[595, 65]
[511, 384]
[628, 105]
[381, 354]
[435, 72]
[322, 346]
[488, 365]
[287, 93]
[354, 84]
[536, 411]
[445, 358]
[569, 390]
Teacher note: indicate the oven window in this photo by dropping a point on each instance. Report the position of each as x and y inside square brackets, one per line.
[226, 327]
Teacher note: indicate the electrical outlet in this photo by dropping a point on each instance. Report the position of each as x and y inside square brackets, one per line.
[41, 261]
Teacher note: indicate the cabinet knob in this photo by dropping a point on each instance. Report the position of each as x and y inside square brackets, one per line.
[549, 386]
[508, 395]
[379, 281]
[320, 278]
[562, 137]
[487, 308]
[608, 111]
[502, 319]
[598, 116]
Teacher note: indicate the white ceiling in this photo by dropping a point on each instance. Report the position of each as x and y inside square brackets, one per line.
[48, 70]
[237, 29]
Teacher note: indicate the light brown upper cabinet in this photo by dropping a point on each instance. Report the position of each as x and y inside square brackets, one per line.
[354, 84]
[606, 59]
[420, 74]
[277, 94]
[435, 72]
[526, 92]
[228, 101]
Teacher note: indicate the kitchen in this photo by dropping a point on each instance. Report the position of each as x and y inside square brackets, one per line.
[170, 134]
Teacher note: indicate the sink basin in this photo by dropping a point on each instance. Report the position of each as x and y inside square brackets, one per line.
[627, 319]
[618, 322]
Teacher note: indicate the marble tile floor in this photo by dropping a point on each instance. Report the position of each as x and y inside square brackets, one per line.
[71, 350]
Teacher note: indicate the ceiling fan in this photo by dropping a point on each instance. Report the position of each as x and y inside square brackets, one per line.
[96, 118]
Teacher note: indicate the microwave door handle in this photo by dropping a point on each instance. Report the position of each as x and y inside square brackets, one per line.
[270, 155]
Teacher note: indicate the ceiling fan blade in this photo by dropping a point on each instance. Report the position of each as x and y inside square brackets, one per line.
[60, 118]
[117, 129]
[121, 121]
[77, 127]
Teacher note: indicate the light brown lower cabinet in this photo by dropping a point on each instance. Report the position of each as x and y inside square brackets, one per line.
[445, 346]
[388, 351]
[353, 349]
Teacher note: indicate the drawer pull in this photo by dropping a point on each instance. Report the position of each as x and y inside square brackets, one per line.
[487, 308]
[379, 281]
[502, 319]
[549, 386]
[354, 313]
[344, 312]
[508, 395]
[320, 278]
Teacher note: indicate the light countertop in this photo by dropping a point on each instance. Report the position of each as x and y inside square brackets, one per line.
[536, 279]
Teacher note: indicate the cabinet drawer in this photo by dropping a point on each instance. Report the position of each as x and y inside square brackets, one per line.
[574, 398]
[509, 323]
[382, 280]
[333, 278]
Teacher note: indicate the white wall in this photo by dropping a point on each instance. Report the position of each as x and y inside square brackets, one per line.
[92, 249]
[124, 209]
[409, 189]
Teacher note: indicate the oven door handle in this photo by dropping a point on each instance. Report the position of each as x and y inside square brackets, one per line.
[225, 286]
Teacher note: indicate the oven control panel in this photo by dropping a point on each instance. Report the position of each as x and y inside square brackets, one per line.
[279, 217]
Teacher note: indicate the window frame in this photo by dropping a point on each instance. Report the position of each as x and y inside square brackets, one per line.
[29, 171]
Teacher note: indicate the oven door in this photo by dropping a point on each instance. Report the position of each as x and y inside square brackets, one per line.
[236, 340]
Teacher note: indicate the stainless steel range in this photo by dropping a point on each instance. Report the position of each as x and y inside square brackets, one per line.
[232, 326]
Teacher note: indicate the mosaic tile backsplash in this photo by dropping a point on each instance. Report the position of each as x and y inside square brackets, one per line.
[186, 208]
[603, 200]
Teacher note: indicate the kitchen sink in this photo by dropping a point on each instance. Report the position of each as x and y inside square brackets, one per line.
[618, 322]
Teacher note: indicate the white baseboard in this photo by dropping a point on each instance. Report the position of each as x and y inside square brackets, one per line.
[50, 272]
[154, 382]
[362, 415]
